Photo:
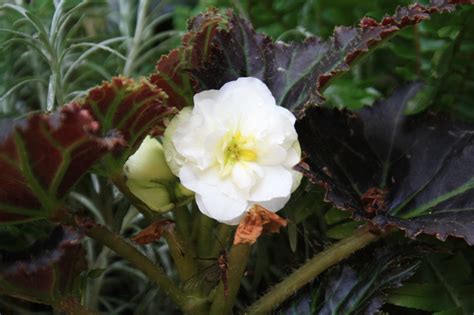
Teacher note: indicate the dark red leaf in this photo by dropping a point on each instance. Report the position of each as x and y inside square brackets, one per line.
[355, 289]
[296, 73]
[42, 157]
[172, 70]
[129, 109]
[416, 170]
[46, 272]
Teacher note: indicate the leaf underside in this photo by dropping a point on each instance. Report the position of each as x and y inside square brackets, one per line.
[41, 157]
[44, 155]
[422, 162]
[45, 272]
[223, 47]
[128, 109]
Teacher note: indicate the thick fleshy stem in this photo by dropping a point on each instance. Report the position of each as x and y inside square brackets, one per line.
[237, 261]
[310, 270]
[205, 238]
[182, 255]
[145, 265]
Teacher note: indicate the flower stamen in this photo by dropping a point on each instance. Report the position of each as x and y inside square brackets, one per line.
[238, 148]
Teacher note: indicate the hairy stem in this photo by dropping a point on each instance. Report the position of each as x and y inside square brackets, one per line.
[141, 262]
[237, 260]
[204, 243]
[223, 233]
[182, 254]
[311, 270]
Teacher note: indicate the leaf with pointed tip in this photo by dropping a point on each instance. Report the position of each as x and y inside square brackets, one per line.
[421, 166]
[172, 70]
[352, 288]
[42, 157]
[443, 282]
[47, 271]
[296, 73]
[127, 108]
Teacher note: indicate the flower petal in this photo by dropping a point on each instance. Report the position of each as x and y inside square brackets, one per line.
[222, 208]
[276, 182]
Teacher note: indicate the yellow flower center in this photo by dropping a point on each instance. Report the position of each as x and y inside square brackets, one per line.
[237, 148]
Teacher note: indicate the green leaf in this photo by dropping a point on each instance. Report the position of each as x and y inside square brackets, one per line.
[444, 284]
[342, 230]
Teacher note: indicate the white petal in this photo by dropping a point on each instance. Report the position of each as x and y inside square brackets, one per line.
[208, 181]
[293, 156]
[275, 204]
[271, 154]
[276, 182]
[173, 158]
[244, 177]
[247, 91]
[222, 208]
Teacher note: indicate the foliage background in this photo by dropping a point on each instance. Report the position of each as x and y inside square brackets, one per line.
[105, 38]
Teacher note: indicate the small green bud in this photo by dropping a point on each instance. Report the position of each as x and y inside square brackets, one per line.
[154, 195]
[148, 175]
[148, 163]
[182, 192]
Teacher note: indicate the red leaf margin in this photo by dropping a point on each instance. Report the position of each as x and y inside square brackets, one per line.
[47, 271]
[129, 108]
[173, 70]
[42, 157]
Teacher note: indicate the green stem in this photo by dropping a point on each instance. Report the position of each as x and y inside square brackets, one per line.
[142, 263]
[223, 232]
[204, 244]
[237, 260]
[310, 270]
[182, 254]
[183, 221]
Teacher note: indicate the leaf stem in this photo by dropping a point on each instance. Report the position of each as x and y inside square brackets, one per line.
[310, 270]
[237, 260]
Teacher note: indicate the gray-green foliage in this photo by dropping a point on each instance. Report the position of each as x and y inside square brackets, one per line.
[53, 51]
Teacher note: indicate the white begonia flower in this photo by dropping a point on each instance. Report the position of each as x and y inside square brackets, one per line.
[234, 149]
[148, 175]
